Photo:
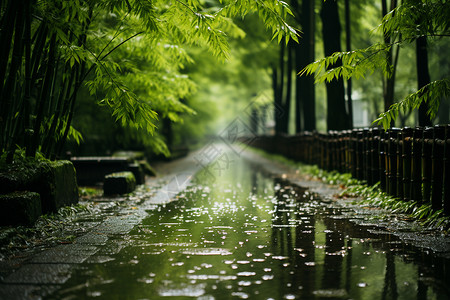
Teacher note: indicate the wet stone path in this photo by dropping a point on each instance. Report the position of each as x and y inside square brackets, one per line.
[239, 234]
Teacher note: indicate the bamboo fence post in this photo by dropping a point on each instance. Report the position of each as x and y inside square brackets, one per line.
[342, 151]
[309, 143]
[323, 158]
[330, 150]
[338, 150]
[406, 157]
[416, 165]
[366, 155]
[399, 160]
[446, 180]
[387, 169]
[391, 165]
[347, 140]
[374, 156]
[353, 143]
[382, 160]
[427, 143]
[359, 154]
[437, 169]
[316, 152]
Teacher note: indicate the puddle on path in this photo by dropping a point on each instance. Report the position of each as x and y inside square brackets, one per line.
[245, 235]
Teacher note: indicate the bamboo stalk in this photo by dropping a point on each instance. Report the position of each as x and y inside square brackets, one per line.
[6, 37]
[45, 91]
[8, 92]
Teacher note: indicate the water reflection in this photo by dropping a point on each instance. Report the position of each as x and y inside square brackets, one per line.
[245, 235]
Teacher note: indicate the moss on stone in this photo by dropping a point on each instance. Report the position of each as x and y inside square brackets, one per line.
[119, 183]
[54, 181]
[147, 168]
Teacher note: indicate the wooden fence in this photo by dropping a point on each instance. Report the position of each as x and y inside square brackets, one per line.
[409, 163]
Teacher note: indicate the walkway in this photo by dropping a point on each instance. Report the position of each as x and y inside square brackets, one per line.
[245, 227]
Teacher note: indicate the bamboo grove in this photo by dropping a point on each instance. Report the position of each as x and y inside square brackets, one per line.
[416, 22]
[52, 48]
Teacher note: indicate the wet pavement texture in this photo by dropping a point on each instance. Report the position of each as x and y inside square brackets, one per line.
[239, 232]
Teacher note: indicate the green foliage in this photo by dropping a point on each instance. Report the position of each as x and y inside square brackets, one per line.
[130, 54]
[431, 94]
[405, 23]
[413, 19]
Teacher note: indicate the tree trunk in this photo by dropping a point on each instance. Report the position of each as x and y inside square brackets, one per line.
[423, 77]
[349, 48]
[287, 99]
[337, 117]
[389, 80]
[304, 54]
[277, 84]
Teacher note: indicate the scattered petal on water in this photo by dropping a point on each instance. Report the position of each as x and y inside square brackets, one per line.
[280, 257]
[207, 251]
[331, 293]
[186, 291]
[240, 295]
[244, 283]
[246, 274]
[228, 262]
[146, 280]
[95, 294]
[243, 262]
[267, 277]
[362, 284]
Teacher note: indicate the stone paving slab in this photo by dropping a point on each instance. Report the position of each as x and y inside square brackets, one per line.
[69, 254]
[40, 274]
[92, 238]
[29, 292]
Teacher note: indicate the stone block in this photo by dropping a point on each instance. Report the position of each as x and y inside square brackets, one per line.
[20, 208]
[137, 172]
[147, 168]
[92, 170]
[133, 155]
[58, 186]
[55, 182]
[119, 183]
